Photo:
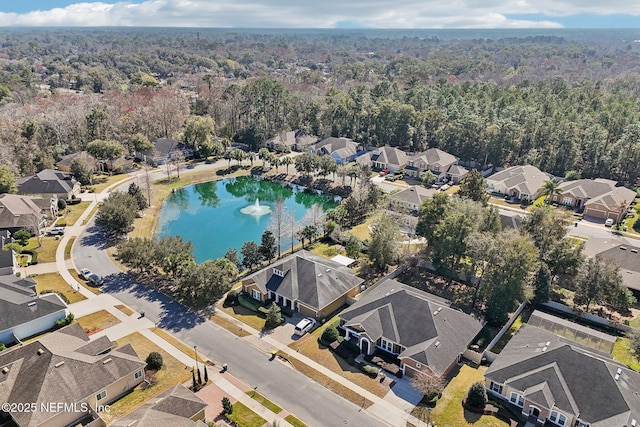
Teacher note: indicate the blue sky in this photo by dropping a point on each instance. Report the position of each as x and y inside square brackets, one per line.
[325, 13]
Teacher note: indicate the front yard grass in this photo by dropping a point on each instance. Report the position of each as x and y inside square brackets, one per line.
[189, 351]
[245, 316]
[123, 308]
[55, 283]
[73, 213]
[245, 417]
[449, 412]
[294, 421]
[362, 231]
[104, 181]
[46, 252]
[229, 325]
[88, 217]
[173, 372]
[622, 353]
[264, 401]
[67, 249]
[83, 283]
[98, 321]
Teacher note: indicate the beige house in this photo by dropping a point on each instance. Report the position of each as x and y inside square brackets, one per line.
[385, 157]
[295, 140]
[78, 377]
[410, 199]
[613, 204]
[434, 160]
[66, 161]
[313, 285]
[519, 182]
[23, 212]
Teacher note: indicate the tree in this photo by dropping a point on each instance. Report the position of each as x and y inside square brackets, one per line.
[206, 375]
[383, 248]
[473, 187]
[194, 383]
[174, 256]
[431, 212]
[117, 213]
[198, 130]
[154, 361]
[274, 316]
[634, 341]
[22, 236]
[307, 233]
[7, 180]
[199, 377]
[250, 254]
[286, 161]
[477, 395]
[427, 178]
[13, 246]
[551, 188]
[278, 223]
[600, 280]
[135, 191]
[138, 143]
[82, 171]
[137, 253]
[542, 283]
[330, 334]
[207, 282]
[227, 407]
[429, 385]
[353, 246]
[315, 216]
[232, 256]
[106, 150]
[268, 246]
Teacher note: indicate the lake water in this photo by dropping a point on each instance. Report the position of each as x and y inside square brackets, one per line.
[209, 214]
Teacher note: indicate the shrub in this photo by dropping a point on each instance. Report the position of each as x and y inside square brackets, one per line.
[2, 347]
[636, 225]
[246, 303]
[62, 204]
[61, 223]
[274, 318]
[227, 407]
[232, 297]
[330, 334]
[263, 312]
[154, 361]
[64, 322]
[22, 236]
[351, 346]
[477, 395]
[371, 371]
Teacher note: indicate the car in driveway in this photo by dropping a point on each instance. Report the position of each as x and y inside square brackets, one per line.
[94, 279]
[608, 222]
[304, 326]
[85, 273]
[56, 231]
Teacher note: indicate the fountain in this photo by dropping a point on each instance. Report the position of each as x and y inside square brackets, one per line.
[256, 209]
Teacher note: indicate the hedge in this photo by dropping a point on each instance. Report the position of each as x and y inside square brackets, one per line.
[371, 371]
[246, 303]
[263, 311]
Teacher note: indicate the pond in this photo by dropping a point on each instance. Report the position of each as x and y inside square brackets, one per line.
[223, 214]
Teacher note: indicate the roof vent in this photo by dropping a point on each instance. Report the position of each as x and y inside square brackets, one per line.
[635, 251]
[633, 423]
[617, 377]
[319, 274]
[437, 344]
[623, 248]
[105, 361]
[5, 370]
[328, 270]
[544, 348]
[31, 304]
[57, 365]
[40, 351]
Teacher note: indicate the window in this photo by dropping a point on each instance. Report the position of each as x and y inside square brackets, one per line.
[558, 418]
[137, 374]
[496, 387]
[566, 201]
[101, 395]
[256, 294]
[583, 424]
[387, 345]
[516, 399]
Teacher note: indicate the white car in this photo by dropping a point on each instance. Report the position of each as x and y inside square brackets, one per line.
[445, 187]
[85, 273]
[304, 326]
[608, 222]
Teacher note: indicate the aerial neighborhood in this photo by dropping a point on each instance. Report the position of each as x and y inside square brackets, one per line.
[216, 249]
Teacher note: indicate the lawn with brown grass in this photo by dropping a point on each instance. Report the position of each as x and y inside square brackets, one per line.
[46, 251]
[189, 351]
[67, 249]
[244, 315]
[173, 372]
[90, 215]
[74, 212]
[362, 231]
[98, 321]
[449, 412]
[123, 308]
[53, 282]
[83, 283]
[103, 181]
[294, 421]
[229, 325]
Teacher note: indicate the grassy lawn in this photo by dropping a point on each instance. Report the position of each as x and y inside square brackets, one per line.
[46, 252]
[229, 325]
[622, 353]
[245, 316]
[88, 217]
[264, 402]
[245, 417]
[173, 372]
[83, 283]
[449, 412]
[123, 308]
[294, 421]
[324, 249]
[327, 382]
[55, 283]
[98, 321]
[103, 181]
[74, 212]
[362, 231]
[189, 351]
[67, 249]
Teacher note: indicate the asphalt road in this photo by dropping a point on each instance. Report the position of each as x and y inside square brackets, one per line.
[310, 402]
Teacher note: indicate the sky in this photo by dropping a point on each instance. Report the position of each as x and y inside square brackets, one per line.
[324, 14]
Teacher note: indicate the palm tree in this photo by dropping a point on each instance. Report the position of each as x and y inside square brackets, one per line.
[551, 188]
[286, 161]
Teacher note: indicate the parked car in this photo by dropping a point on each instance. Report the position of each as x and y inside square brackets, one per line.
[304, 326]
[445, 187]
[94, 279]
[608, 222]
[384, 171]
[85, 273]
[56, 231]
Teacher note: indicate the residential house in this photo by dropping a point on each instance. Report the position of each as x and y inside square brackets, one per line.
[410, 199]
[519, 182]
[576, 193]
[311, 284]
[434, 160]
[8, 263]
[49, 183]
[456, 173]
[420, 329]
[22, 212]
[67, 368]
[386, 157]
[164, 149]
[554, 381]
[343, 150]
[295, 140]
[24, 312]
[66, 161]
[175, 407]
[622, 252]
[614, 204]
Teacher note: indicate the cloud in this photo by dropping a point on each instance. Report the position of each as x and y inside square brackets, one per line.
[324, 14]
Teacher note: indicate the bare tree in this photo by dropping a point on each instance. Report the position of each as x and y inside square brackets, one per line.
[278, 222]
[429, 385]
[315, 216]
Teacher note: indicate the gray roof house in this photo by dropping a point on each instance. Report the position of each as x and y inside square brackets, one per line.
[22, 212]
[386, 157]
[343, 150]
[311, 284]
[410, 199]
[520, 182]
[48, 183]
[420, 329]
[434, 159]
[24, 312]
[621, 252]
[549, 378]
[8, 263]
[66, 367]
[175, 407]
[82, 156]
[164, 149]
[295, 140]
[457, 173]
[577, 193]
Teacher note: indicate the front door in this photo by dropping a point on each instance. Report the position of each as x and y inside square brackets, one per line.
[364, 346]
[534, 411]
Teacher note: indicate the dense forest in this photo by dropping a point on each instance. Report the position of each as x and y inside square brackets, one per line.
[558, 101]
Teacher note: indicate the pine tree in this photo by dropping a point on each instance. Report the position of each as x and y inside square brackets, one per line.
[199, 377]
[193, 378]
[206, 375]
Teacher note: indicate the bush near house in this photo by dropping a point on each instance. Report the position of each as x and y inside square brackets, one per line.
[477, 395]
[247, 303]
[154, 361]
[330, 335]
[232, 298]
[371, 371]
[64, 322]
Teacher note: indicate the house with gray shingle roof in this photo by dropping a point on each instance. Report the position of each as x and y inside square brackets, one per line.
[49, 183]
[295, 140]
[22, 212]
[520, 182]
[622, 252]
[175, 407]
[8, 263]
[343, 150]
[551, 379]
[423, 331]
[311, 284]
[66, 367]
[410, 199]
[576, 193]
[434, 159]
[613, 204]
[24, 313]
[457, 173]
[386, 157]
